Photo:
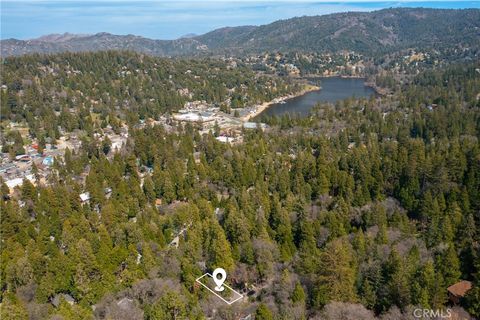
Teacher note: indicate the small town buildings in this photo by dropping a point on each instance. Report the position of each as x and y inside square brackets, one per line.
[23, 158]
[188, 117]
[226, 139]
[204, 116]
[7, 167]
[108, 192]
[48, 161]
[12, 183]
[85, 197]
[254, 125]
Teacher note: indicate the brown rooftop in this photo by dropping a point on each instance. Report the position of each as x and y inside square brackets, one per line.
[459, 289]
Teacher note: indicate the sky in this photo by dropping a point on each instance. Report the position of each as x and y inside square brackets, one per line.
[159, 19]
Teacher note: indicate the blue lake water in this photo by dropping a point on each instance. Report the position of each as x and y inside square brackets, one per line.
[332, 90]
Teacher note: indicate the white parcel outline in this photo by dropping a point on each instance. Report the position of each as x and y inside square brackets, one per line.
[224, 284]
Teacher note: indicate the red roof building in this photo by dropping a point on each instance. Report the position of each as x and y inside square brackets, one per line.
[458, 290]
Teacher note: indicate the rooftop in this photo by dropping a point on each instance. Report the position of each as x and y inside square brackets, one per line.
[459, 289]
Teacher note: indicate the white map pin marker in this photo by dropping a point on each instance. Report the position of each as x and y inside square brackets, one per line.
[219, 281]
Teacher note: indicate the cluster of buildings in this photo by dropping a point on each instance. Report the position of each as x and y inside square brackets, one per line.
[343, 63]
[209, 118]
[36, 166]
[14, 171]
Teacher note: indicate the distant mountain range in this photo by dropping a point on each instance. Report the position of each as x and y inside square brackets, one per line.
[365, 32]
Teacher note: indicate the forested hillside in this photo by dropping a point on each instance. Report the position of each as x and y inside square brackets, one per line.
[369, 33]
[370, 207]
[91, 90]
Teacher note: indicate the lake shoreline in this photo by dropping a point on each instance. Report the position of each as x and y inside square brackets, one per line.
[334, 76]
[332, 90]
[264, 106]
[379, 90]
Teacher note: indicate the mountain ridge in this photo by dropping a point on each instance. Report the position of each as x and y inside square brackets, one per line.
[366, 32]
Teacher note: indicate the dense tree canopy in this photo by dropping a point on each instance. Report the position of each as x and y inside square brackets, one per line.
[369, 201]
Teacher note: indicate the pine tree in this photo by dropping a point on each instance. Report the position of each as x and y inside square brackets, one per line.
[263, 313]
[448, 265]
[220, 254]
[298, 294]
[398, 285]
[149, 188]
[337, 275]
